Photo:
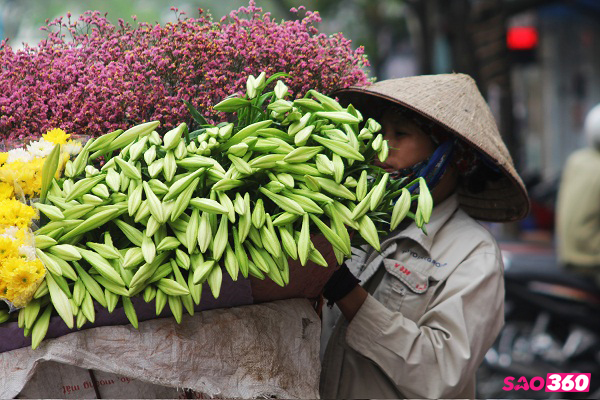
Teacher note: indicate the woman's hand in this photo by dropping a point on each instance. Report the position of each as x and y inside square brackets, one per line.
[351, 303]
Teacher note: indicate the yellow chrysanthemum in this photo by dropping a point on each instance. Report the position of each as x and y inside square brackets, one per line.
[57, 136]
[30, 178]
[3, 157]
[21, 279]
[3, 285]
[15, 213]
[25, 274]
[10, 172]
[24, 236]
[6, 191]
[8, 248]
[28, 175]
[5, 275]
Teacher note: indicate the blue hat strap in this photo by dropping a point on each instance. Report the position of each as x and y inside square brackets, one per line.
[436, 165]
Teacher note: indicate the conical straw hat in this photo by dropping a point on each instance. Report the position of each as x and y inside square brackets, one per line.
[454, 102]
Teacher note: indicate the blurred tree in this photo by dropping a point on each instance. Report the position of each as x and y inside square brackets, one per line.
[10, 17]
[380, 26]
[145, 10]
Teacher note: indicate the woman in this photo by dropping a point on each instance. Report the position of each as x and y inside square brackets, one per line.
[431, 304]
[578, 209]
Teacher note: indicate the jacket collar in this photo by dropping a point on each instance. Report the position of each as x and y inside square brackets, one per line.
[440, 215]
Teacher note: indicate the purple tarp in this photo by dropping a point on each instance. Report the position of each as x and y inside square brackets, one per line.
[232, 294]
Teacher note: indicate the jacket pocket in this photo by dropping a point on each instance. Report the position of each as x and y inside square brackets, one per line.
[410, 290]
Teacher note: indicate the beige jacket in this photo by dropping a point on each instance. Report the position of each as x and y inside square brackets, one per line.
[426, 328]
[578, 210]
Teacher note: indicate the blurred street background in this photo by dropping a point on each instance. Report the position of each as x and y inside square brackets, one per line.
[537, 62]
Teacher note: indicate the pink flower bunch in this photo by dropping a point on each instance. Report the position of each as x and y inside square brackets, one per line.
[91, 77]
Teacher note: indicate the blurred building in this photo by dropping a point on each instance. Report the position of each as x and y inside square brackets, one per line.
[553, 92]
[536, 61]
[553, 88]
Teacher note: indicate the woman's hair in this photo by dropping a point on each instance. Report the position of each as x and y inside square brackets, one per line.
[478, 179]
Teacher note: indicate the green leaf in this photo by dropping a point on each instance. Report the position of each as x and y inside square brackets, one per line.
[276, 76]
[260, 114]
[193, 135]
[231, 104]
[186, 134]
[195, 113]
[263, 98]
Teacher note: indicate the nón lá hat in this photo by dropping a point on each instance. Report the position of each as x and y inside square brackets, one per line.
[454, 102]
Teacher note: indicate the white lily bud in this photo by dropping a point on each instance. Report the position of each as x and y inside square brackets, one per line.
[260, 80]
[281, 90]
[280, 106]
[225, 131]
[212, 132]
[373, 125]
[251, 87]
[90, 170]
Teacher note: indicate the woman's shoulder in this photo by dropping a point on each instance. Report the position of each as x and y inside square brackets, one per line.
[464, 238]
[462, 227]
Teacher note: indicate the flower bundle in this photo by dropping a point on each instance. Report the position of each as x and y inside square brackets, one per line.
[21, 167]
[21, 272]
[166, 214]
[91, 76]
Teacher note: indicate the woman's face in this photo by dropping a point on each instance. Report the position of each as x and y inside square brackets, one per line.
[408, 143]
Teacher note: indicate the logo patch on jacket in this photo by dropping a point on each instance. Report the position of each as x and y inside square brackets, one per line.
[416, 281]
[413, 254]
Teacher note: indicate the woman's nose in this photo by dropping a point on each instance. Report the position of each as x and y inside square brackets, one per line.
[388, 133]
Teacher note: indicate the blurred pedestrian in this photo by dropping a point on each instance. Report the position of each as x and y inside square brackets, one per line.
[430, 305]
[578, 206]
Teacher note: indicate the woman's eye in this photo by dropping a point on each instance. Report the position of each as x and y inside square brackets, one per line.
[400, 133]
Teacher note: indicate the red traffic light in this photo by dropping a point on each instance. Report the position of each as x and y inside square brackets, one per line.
[521, 38]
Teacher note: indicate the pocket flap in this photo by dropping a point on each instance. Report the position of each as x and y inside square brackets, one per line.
[416, 281]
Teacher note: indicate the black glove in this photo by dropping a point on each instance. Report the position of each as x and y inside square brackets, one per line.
[339, 285]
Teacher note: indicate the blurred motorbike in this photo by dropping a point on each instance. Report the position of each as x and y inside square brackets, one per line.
[552, 325]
